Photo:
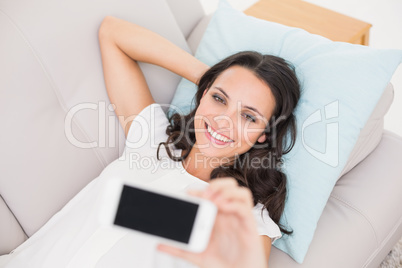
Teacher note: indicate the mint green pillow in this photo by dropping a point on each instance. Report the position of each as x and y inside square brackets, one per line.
[341, 85]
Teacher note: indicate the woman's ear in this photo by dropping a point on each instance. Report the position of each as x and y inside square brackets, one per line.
[262, 138]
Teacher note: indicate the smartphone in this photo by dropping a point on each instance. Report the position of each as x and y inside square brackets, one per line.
[177, 219]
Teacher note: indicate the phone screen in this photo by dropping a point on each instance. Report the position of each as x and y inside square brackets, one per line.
[156, 214]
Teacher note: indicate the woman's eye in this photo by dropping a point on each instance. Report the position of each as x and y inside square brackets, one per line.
[250, 118]
[217, 98]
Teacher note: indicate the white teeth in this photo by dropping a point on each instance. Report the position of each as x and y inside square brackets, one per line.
[216, 135]
[220, 137]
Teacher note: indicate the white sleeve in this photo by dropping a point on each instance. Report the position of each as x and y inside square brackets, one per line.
[147, 130]
[265, 225]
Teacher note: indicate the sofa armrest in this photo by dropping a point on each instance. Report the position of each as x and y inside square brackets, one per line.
[362, 220]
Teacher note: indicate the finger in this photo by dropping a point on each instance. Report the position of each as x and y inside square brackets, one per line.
[223, 182]
[218, 185]
[242, 212]
[236, 208]
[186, 255]
[224, 190]
[197, 193]
[239, 194]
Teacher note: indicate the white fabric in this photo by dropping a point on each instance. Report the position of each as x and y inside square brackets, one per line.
[74, 238]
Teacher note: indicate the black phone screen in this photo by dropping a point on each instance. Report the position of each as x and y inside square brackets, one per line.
[156, 214]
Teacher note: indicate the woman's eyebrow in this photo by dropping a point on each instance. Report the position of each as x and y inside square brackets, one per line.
[245, 106]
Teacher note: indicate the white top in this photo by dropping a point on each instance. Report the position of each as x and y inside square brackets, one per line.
[73, 237]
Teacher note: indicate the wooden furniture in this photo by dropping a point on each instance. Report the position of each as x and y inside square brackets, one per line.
[312, 18]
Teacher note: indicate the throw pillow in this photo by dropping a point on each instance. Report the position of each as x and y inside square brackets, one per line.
[342, 84]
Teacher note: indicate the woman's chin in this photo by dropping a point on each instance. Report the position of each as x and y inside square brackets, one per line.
[214, 152]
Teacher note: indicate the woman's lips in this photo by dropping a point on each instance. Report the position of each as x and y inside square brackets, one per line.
[210, 137]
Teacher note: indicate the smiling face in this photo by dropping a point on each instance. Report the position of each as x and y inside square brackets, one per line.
[238, 106]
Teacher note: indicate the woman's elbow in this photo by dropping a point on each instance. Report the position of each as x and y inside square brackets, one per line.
[105, 29]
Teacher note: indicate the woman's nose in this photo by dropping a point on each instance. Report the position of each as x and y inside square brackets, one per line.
[226, 120]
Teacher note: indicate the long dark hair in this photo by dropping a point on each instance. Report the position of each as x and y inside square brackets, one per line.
[266, 181]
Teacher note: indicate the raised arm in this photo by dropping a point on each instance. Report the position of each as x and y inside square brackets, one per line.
[122, 44]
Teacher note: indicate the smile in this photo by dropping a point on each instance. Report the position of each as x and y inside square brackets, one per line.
[217, 138]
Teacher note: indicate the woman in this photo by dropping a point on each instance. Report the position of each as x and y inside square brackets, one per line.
[243, 144]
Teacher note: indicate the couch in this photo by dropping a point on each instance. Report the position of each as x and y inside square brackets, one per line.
[59, 131]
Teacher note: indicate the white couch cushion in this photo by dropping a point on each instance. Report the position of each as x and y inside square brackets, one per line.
[51, 66]
[10, 230]
[362, 220]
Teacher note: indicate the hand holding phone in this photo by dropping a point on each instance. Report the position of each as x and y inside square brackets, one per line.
[234, 240]
[177, 219]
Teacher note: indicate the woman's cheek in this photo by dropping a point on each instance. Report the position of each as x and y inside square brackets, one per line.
[249, 137]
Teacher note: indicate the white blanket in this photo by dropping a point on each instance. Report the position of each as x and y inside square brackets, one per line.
[74, 237]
